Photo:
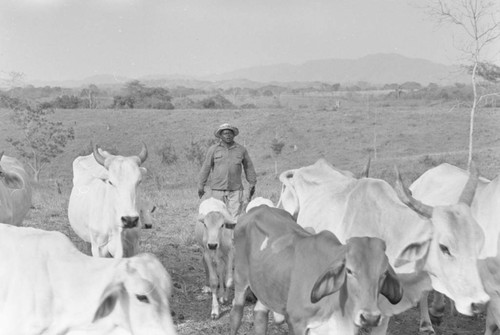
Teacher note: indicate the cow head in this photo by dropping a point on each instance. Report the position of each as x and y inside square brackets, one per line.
[258, 202]
[123, 176]
[146, 209]
[137, 299]
[453, 251]
[366, 272]
[214, 224]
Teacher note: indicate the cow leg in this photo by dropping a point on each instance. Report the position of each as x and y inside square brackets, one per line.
[214, 283]
[230, 267]
[98, 251]
[240, 288]
[436, 311]
[296, 327]
[425, 321]
[278, 318]
[260, 318]
[95, 250]
[206, 287]
[382, 328]
[223, 293]
[492, 312]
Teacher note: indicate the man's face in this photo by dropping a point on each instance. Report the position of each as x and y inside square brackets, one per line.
[227, 136]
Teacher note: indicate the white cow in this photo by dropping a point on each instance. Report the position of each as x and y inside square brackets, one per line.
[214, 233]
[102, 205]
[441, 185]
[429, 247]
[256, 202]
[49, 287]
[15, 191]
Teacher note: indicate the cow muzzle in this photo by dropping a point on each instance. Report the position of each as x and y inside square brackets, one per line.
[368, 319]
[478, 308]
[130, 221]
[212, 246]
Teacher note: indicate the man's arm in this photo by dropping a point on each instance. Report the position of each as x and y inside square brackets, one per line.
[250, 173]
[205, 169]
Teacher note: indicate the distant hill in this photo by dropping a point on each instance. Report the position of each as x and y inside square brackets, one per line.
[374, 69]
[99, 80]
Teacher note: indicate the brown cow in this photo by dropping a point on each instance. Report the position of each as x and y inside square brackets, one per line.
[318, 283]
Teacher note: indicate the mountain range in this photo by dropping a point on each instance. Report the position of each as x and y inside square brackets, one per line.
[377, 69]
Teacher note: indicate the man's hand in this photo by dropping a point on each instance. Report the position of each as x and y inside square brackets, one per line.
[251, 193]
[201, 192]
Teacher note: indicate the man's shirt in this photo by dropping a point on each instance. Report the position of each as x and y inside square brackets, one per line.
[224, 165]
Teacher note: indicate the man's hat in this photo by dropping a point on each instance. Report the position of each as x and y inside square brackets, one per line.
[226, 126]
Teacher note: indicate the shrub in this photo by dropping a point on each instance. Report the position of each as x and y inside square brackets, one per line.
[197, 150]
[167, 154]
[120, 101]
[68, 102]
[248, 106]
[215, 102]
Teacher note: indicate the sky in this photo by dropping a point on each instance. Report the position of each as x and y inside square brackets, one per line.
[75, 39]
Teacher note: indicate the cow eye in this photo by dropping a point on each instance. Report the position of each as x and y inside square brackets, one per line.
[110, 183]
[444, 249]
[142, 298]
[349, 271]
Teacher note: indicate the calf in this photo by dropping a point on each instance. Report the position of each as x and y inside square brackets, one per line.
[318, 283]
[214, 233]
[146, 207]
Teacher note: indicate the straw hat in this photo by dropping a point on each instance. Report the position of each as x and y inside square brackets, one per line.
[224, 127]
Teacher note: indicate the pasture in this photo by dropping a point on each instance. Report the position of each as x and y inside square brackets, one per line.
[411, 136]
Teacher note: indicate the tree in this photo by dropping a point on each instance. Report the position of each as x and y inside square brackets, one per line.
[479, 20]
[90, 93]
[14, 79]
[135, 89]
[41, 139]
[276, 148]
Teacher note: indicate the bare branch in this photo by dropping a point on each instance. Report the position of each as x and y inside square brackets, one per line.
[488, 95]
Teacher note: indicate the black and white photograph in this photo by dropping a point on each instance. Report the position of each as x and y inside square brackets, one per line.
[267, 167]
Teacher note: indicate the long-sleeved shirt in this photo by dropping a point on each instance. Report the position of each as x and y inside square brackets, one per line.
[224, 165]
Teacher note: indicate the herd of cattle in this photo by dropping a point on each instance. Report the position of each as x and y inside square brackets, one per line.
[337, 253]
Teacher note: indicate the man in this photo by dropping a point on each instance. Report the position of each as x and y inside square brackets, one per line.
[224, 163]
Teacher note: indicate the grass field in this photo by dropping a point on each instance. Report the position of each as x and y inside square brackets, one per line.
[413, 137]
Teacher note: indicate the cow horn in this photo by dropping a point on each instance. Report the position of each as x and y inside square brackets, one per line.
[470, 188]
[98, 157]
[144, 153]
[405, 196]
[366, 171]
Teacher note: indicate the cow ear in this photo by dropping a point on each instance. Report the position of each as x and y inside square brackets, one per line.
[391, 287]
[12, 180]
[108, 300]
[412, 253]
[229, 225]
[289, 200]
[328, 283]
